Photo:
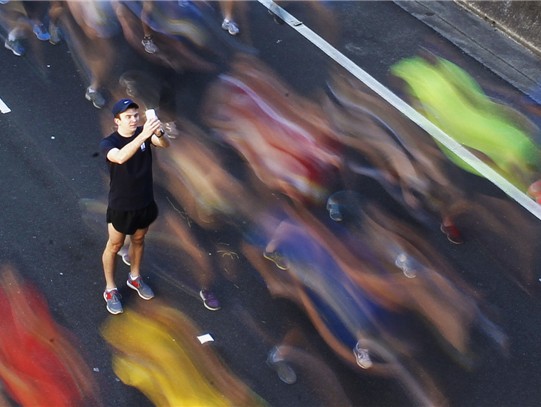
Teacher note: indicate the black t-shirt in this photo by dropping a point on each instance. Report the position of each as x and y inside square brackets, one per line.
[130, 186]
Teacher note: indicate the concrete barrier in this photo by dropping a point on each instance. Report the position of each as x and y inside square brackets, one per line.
[521, 20]
[505, 36]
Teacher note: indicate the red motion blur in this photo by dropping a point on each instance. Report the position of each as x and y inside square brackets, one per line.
[38, 363]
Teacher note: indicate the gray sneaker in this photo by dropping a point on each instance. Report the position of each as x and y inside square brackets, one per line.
[144, 291]
[95, 97]
[406, 264]
[15, 46]
[334, 211]
[362, 357]
[282, 368]
[112, 298]
[230, 26]
[149, 45]
[129, 85]
[125, 255]
[55, 34]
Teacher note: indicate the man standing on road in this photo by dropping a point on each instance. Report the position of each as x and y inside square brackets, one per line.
[131, 207]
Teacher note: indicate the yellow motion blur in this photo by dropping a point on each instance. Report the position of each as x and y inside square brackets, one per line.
[156, 350]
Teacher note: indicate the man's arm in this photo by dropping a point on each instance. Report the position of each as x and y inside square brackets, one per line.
[120, 156]
[160, 141]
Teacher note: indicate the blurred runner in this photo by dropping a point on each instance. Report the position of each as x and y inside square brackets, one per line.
[40, 363]
[14, 20]
[156, 350]
[450, 98]
[229, 24]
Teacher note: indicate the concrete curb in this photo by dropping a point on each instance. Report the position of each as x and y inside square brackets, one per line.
[521, 20]
[513, 62]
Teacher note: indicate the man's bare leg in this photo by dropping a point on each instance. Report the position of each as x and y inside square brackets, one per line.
[114, 243]
[137, 245]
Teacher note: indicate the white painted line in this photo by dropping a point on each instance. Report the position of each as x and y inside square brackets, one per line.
[3, 107]
[205, 338]
[483, 169]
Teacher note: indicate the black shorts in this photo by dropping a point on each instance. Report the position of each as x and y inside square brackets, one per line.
[128, 222]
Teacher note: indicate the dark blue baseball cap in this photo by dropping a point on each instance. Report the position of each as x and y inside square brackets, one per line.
[122, 105]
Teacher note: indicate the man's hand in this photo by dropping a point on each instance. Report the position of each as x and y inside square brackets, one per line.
[151, 126]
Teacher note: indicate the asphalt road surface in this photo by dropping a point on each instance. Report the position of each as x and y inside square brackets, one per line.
[52, 173]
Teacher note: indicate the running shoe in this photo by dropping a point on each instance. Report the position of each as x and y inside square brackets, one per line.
[149, 45]
[334, 211]
[95, 97]
[112, 298]
[362, 357]
[41, 32]
[282, 368]
[230, 26]
[404, 263]
[452, 233]
[55, 33]
[129, 84]
[276, 258]
[144, 291]
[209, 300]
[15, 46]
[125, 256]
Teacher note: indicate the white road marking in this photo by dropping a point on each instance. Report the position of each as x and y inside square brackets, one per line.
[483, 169]
[3, 107]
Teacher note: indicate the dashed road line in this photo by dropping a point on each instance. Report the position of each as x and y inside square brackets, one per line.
[3, 107]
[438, 134]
